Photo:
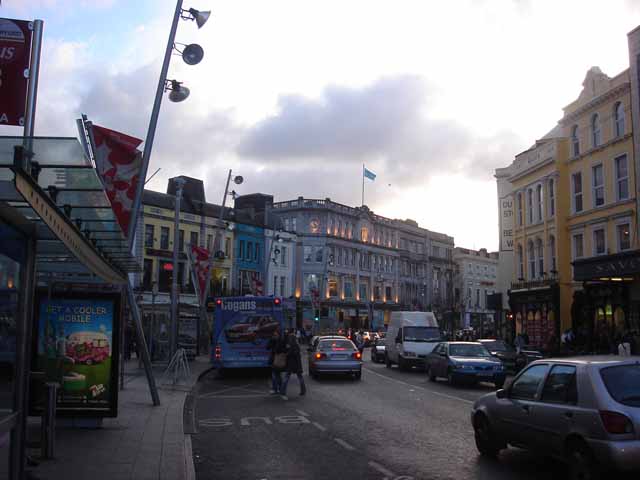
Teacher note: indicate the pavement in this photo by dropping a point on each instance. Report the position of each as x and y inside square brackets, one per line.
[143, 442]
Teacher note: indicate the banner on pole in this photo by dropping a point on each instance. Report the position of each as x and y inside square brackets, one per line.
[15, 53]
[201, 265]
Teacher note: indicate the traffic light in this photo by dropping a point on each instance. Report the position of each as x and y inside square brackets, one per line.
[316, 315]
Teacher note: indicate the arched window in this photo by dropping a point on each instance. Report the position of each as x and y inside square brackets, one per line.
[575, 141]
[540, 248]
[532, 260]
[520, 263]
[596, 138]
[552, 197]
[539, 201]
[618, 119]
[530, 206]
[520, 208]
[552, 253]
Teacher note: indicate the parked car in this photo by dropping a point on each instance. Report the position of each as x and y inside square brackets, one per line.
[464, 361]
[583, 410]
[335, 355]
[512, 360]
[378, 350]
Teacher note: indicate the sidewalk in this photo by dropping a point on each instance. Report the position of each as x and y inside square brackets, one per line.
[143, 442]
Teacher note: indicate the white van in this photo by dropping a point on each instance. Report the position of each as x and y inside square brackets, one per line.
[411, 336]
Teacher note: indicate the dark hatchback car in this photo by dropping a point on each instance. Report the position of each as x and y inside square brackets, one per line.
[511, 359]
[378, 350]
[464, 361]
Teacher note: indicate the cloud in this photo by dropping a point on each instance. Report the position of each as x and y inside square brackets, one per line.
[386, 124]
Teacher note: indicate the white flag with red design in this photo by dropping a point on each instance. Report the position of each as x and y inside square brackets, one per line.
[118, 163]
[201, 265]
[256, 284]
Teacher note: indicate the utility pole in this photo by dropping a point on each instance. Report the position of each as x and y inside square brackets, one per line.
[179, 182]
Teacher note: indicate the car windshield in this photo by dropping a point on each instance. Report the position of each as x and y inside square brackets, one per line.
[497, 346]
[623, 383]
[468, 350]
[421, 334]
[336, 345]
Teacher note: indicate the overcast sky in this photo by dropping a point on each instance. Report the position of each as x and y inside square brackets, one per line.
[296, 95]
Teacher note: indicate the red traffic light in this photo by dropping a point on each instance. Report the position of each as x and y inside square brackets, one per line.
[219, 302]
[276, 301]
[168, 267]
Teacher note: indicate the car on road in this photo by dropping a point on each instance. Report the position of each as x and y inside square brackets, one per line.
[583, 410]
[464, 361]
[335, 356]
[378, 350]
[314, 341]
[512, 360]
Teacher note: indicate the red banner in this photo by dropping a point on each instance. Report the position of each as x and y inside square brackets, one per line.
[201, 265]
[118, 163]
[15, 52]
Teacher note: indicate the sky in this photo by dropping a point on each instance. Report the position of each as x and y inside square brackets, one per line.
[296, 95]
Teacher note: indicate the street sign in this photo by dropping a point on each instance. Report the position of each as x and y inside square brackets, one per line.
[15, 52]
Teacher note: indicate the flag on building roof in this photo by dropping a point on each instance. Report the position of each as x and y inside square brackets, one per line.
[369, 174]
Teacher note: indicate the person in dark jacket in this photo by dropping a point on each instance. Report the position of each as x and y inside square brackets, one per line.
[294, 365]
[277, 344]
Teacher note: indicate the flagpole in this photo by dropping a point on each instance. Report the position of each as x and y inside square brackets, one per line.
[363, 184]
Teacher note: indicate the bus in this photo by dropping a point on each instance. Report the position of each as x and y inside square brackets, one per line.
[242, 327]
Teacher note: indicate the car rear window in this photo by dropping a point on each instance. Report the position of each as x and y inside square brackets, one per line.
[623, 383]
[336, 345]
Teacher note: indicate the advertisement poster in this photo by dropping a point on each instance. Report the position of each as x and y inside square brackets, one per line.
[243, 327]
[188, 334]
[77, 347]
[506, 223]
[15, 52]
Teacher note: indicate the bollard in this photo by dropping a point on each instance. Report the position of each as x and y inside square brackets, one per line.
[48, 427]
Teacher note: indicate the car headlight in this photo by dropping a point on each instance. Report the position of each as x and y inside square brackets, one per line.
[499, 367]
[409, 354]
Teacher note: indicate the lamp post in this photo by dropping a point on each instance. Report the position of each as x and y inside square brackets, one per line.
[173, 335]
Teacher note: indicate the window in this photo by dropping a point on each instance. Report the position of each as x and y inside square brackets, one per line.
[578, 246]
[194, 239]
[249, 251]
[595, 130]
[283, 286]
[618, 119]
[552, 253]
[623, 383]
[285, 224]
[283, 256]
[622, 178]
[256, 257]
[376, 292]
[436, 251]
[319, 254]
[527, 384]
[240, 250]
[576, 185]
[519, 202]
[539, 201]
[147, 276]
[227, 247]
[387, 294]
[275, 285]
[560, 386]
[348, 289]
[520, 263]
[532, 260]
[363, 292]
[164, 238]
[293, 224]
[552, 198]
[598, 185]
[599, 242]
[181, 240]
[530, 205]
[624, 237]
[210, 243]
[540, 248]
[364, 234]
[148, 235]
[478, 297]
[575, 141]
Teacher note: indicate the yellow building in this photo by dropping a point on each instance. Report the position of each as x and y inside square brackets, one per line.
[539, 297]
[602, 208]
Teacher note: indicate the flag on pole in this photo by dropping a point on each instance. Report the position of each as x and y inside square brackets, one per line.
[118, 163]
[369, 174]
[201, 266]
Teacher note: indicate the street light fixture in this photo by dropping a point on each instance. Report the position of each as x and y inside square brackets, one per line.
[192, 54]
[178, 92]
[193, 14]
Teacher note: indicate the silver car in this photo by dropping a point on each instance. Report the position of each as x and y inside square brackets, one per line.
[583, 410]
[335, 355]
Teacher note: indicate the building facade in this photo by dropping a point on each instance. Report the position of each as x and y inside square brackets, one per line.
[476, 279]
[280, 263]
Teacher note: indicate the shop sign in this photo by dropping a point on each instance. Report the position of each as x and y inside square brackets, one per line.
[76, 344]
[611, 266]
[506, 223]
[15, 52]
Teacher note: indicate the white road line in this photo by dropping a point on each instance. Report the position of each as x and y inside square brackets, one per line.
[384, 471]
[346, 445]
[319, 427]
[262, 395]
[303, 413]
[452, 397]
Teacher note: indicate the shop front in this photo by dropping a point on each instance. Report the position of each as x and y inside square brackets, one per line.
[535, 307]
[608, 306]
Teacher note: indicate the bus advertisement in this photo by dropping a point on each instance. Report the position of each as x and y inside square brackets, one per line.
[242, 329]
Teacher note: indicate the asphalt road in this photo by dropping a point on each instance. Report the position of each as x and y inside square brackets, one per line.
[391, 424]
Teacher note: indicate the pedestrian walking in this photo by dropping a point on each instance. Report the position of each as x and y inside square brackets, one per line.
[277, 360]
[294, 365]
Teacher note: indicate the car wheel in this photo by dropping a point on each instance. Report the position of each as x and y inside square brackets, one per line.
[485, 438]
[450, 378]
[431, 374]
[387, 362]
[582, 464]
[401, 363]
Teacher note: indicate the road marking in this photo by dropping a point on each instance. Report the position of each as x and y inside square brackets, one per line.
[246, 421]
[303, 413]
[262, 395]
[384, 471]
[452, 397]
[319, 427]
[346, 445]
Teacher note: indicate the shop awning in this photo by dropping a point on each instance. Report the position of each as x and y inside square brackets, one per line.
[616, 266]
[59, 192]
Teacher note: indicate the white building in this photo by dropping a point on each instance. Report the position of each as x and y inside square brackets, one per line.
[280, 261]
